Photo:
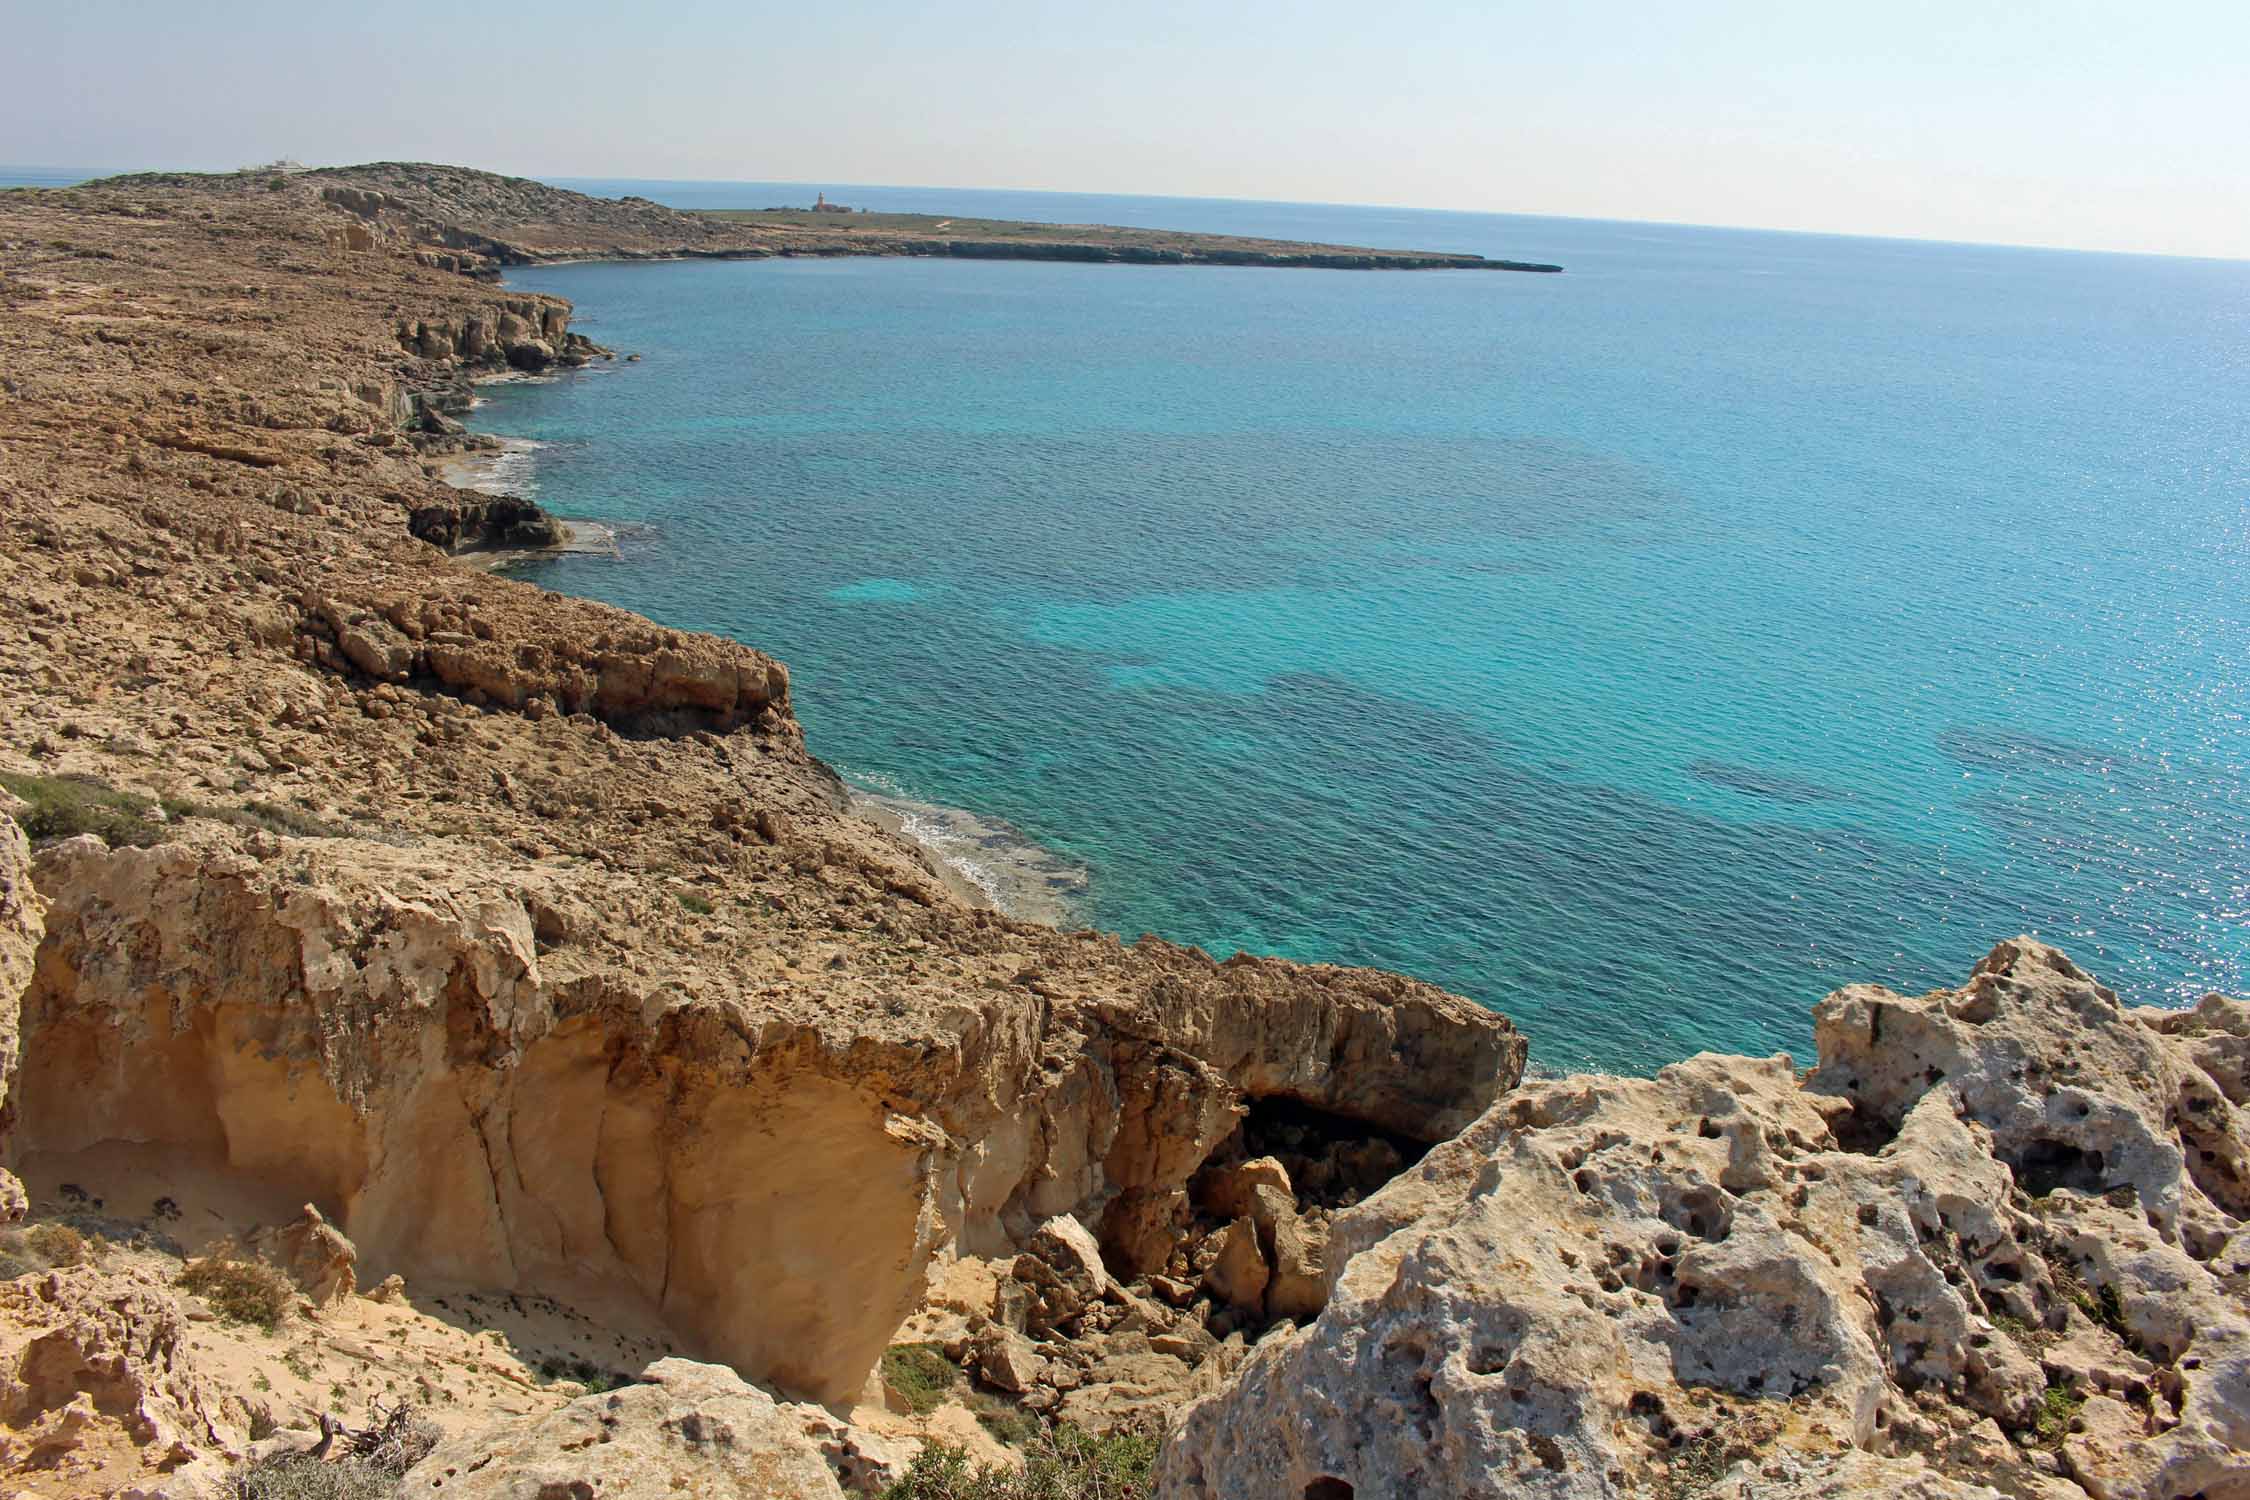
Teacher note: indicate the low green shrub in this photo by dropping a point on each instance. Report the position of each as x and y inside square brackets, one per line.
[48, 1245]
[56, 1244]
[246, 1291]
[65, 806]
[1064, 1464]
[1006, 1422]
[273, 817]
[588, 1374]
[300, 1476]
[2057, 1405]
[919, 1374]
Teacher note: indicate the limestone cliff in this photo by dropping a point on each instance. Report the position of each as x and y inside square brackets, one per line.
[521, 939]
[363, 1027]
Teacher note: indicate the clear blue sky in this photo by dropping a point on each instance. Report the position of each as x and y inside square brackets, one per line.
[2115, 125]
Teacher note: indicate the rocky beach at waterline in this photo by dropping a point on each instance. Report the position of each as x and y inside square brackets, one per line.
[421, 961]
[984, 861]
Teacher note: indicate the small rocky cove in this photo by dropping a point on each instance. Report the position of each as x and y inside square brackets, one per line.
[460, 1034]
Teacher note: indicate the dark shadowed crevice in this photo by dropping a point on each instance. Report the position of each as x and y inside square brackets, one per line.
[1333, 1160]
[2047, 1165]
[1864, 1130]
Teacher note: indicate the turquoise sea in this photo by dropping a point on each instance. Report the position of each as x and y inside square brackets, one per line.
[1643, 651]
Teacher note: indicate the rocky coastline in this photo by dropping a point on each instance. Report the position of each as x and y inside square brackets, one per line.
[481, 224]
[423, 993]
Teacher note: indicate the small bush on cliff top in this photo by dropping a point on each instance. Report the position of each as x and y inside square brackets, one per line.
[247, 1291]
[1066, 1464]
[273, 817]
[1006, 1422]
[65, 806]
[43, 1247]
[300, 1476]
[588, 1374]
[367, 1464]
[919, 1374]
[56, 1244]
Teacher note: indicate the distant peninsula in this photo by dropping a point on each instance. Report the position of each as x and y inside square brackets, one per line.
[486, 222]
[822, 230]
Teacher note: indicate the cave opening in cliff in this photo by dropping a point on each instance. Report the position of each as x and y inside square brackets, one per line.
[1326, 1488]
[1333, 1160]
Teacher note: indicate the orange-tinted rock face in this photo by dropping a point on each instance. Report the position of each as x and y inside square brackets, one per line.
[22, 923]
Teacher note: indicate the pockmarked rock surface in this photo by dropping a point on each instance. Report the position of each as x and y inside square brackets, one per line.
[1994, 1243]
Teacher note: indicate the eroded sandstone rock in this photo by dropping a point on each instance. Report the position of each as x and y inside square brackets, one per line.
[636, 676]
[375, 1033]
[22, 923]
[322, 1262]
[471, 520]
[520, 937]
[96, 1384]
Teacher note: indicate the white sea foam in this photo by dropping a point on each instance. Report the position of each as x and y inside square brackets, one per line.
[1019, 877]
[511, 469]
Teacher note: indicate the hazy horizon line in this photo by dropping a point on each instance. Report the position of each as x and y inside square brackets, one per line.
[564, 180]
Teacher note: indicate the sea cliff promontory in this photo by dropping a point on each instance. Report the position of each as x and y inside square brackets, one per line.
[480, 222]
[428, 1002]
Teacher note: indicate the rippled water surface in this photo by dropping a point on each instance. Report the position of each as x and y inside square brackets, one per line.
[1643, 651]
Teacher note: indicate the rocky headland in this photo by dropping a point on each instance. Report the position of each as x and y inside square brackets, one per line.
[481, 223]
[452, 1026]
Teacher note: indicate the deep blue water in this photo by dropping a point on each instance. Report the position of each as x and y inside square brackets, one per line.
[1643, 651]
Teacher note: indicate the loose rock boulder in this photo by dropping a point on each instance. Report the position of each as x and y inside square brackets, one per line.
[685, 1432]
